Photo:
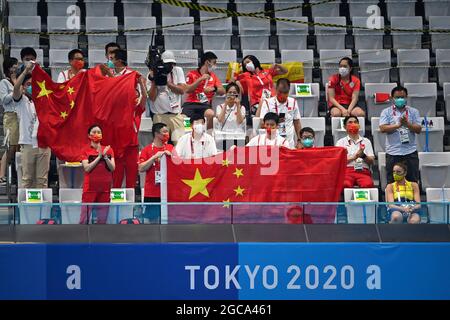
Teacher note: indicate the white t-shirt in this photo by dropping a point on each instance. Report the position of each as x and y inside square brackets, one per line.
[263, 140]
[166, 100]
[203, 147]
[353, 147]
[230, 124]
[6, 96]
[291, 113]
[64, 75]
[28, 121]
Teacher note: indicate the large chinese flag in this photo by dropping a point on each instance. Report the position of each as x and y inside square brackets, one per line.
[66, 111]
[257, 174]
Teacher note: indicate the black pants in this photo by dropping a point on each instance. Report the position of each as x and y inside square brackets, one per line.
[190, 108]
[412, 162]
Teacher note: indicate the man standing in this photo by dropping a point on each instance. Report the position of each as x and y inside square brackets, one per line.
[166, 100]
[401, 123]
[76, 61]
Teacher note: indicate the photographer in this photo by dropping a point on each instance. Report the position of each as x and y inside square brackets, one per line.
[202, 85]
[166, 99]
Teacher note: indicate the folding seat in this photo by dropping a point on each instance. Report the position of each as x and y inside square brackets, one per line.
[447, 99]
[250, 6]
[329, 62]
[224, 57]
[291, 35]
[24, 24]
[137, 8]
[358, 8]
[304, 56]
[136, 61]
[407, 40]
[374, 106]
[318, 125]
[436, 8]
[413, 65]
[438, 207]
[70, 176]
[443, 65]
[22, 7]
[374, 65]
[174, 11]
[264, 56]
[221, 4]
[379, 138]
[254, 33]
[145, 135]
[330, 37]
[69, 200]
[434, 169]
[431, 139]
[358, 211]
[321, 9]
[119, 212]
[216, 34]
[187, 59]
[139, 40]
[439, 40]
[62, 8]
[101, 24]
[423, 96]
[67, 41]
[367, 39]
[398, 8]
[97, 56]
[180, 37]
[32, 214]
[284, 4]
[99, 8]
[338, 131]
[308, 105]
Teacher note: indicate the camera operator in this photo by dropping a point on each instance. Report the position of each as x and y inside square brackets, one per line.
[166, 99]
[202, 85]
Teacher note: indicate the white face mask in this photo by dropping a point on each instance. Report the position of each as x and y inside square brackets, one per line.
[198, 128]
[211, 67]
[344, 71]
[250, 67]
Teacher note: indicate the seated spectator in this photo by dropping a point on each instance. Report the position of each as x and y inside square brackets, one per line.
[202, 85]
[197, 144]
[256, 82]
[307, 136]
[287, 110]
[343, 91]
[35, 160]
[405, 194]
[359, 155]
[149, 162]
[231, 114]
[271, 136]
[98, 164]
[76, 61]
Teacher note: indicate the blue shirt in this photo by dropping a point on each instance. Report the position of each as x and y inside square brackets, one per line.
[392, 115]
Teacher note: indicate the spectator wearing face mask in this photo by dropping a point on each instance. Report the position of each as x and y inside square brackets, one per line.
[109, 48]
[76, 61]
[271, 136]
[401, 123]
[343, 91]
[149, 162]
[359, 155]
[202, 85]
[287, 110]
[307, 136]
[256, 82]
[197, 144]
[231, 114]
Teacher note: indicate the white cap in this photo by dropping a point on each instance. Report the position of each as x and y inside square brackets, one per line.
[168, 56]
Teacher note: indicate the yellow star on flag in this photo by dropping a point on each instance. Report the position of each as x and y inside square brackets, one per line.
[70, 90]
[72, 104]
[226, 203]
[44, 91]
[63, 115]
[238, 172]
[198, 185]
[225, 163]
[239, 191]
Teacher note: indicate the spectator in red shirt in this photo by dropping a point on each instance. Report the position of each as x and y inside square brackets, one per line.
[343, 91]
[149, 162]
[257, 82]
[98, 163]
[202, 85]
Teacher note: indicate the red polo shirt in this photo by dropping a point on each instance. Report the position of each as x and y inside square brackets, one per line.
[100, 178]
[151, 189]
[254, 84]
[343, 90]
[192, 76]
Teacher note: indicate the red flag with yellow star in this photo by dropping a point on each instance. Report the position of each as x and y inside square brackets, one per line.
[257, 174]
[66, 111]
